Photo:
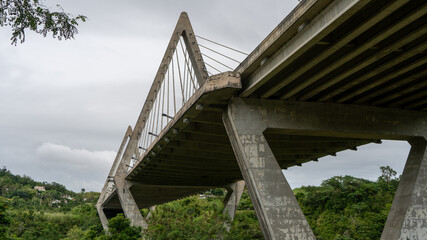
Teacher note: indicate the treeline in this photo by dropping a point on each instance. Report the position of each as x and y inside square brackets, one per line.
[341, 208]
[347, 208]
[39, 210]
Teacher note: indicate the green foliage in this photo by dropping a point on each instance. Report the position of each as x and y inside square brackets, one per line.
[245, 202]
[120, 229]
[94, 231]
[387, 174]
[244, 226]
[33, 15]
[217, 192]
[347, 207]
[32, 214]
[199, 218]
[189, 218]
[4, 218]
[342, 208]
[75, 233]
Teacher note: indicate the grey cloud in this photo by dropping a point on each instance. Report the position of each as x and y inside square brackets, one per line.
[80, 167]
[83, 93]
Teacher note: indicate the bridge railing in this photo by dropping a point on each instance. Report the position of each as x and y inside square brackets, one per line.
[177, 84]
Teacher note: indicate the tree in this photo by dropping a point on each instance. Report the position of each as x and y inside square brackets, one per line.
[120, 228]
[75, 233]
[4, 219]
[387, 174]
[33, 15]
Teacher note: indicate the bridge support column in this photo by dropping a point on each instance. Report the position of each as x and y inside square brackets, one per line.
[102, 217]
[129, 206]
[408, 214]
[150, 212]
[275, 204]
[276, 207]
[231, 201]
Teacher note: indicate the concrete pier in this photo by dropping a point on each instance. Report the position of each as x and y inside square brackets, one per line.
[408, 214]
[248, 121]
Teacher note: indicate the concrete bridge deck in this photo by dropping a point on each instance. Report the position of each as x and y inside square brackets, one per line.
[195, 156]
[332, 76]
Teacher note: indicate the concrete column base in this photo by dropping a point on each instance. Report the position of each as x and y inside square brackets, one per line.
[150, 212]
[231, 201]
[408, 214]
[102, 217]
[129, 206]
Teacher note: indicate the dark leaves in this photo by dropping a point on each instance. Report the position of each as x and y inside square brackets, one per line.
[31, 14]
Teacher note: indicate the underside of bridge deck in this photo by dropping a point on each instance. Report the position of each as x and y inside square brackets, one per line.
[353, 52]
[195, 155]
[334, 75]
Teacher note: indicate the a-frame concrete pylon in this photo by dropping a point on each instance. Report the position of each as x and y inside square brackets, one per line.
[182, 30]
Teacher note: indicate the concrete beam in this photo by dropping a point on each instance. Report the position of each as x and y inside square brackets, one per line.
[325, 22]
[276, 207]
[334, 120]
[359, 50]
[407, 218]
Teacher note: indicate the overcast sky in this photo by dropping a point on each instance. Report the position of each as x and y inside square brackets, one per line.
[65, 105]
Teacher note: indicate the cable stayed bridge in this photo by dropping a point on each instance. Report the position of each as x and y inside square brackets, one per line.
[332, 76]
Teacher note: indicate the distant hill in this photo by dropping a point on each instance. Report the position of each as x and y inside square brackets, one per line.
[41, 210]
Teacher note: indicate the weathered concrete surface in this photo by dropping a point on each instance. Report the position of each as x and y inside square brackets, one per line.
[102, 217]
[231, 201]
[247, 120]
[277, 209]
[337, 120]
[129, 206]
[408, 214]
[109, 182]
[313, 32]
[365, 52]
[150, 212]
[311, 56]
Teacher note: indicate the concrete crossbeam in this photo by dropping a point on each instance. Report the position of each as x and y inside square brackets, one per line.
[246, 121]
[336, 120]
